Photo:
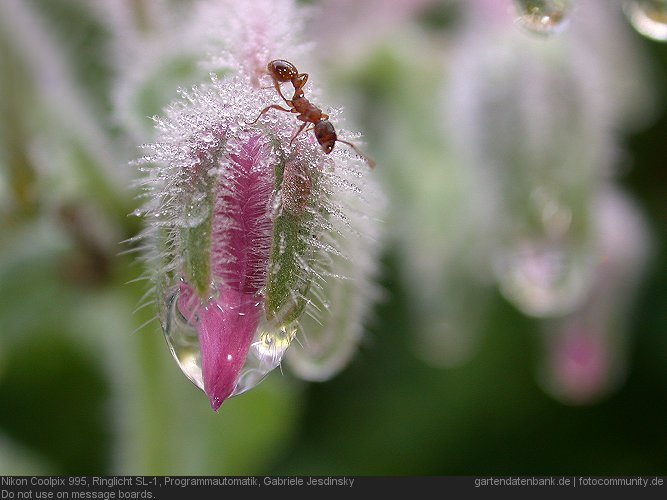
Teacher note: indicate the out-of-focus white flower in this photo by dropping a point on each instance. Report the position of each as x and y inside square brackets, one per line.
[365, 25]
[537, 118]
[61, 105]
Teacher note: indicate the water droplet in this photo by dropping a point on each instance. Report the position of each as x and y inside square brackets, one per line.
[183, 341]
[555, 217]
[267, 349]
[273, 343]
[544, 278]
[195, 209]
[544, 17]
[648, 17]
[266, 353]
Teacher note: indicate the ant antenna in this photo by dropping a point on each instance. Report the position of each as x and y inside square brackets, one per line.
[371, 163]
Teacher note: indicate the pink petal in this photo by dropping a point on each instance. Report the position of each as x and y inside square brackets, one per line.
[226, 326]
[240, 245]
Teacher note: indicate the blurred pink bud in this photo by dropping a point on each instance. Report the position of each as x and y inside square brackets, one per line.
[585, 351]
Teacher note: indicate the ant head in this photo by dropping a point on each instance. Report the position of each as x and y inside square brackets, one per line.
[281, 70]
[325, 135]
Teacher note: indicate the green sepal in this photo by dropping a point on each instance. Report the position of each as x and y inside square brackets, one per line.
[288, 280]
[197, 266]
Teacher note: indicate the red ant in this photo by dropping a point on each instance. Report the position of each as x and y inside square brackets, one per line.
[282, 71]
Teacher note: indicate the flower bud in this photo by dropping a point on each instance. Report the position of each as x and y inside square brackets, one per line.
[585, 351]
[251, 232]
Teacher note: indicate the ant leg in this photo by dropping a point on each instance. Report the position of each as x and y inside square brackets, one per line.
[297, 133]
[273, 106]
[280, 92]
[367, 159]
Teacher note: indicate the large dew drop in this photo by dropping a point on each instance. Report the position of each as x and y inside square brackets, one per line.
[544, 17]
[648, 17]
[266, 352]
[544, 278]
[183, 341]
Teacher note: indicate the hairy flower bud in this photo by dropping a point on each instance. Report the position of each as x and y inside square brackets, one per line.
[562, 100]
[248, 233]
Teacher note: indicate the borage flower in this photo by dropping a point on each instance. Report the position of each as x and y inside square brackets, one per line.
[250, 233]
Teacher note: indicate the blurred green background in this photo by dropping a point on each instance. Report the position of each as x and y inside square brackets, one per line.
[86, 389]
